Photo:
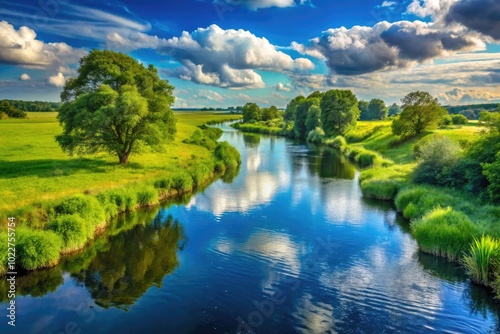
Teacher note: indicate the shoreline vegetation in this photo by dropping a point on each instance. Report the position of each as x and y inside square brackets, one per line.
[80, 204]
[449, 218]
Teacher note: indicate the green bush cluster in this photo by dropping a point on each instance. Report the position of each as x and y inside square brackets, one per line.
[228, 155]
[202, 138]
[147, 196]
[444, 232]
[38, 248]
[316, 136]
[87, 207]
[182, 182]
[74, 231]
[259, 127]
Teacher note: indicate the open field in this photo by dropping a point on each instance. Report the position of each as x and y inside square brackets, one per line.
[33, 167]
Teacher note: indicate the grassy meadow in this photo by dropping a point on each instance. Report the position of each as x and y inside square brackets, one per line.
[34, 169]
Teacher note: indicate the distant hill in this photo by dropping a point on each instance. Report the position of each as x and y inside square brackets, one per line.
[472, 111]
[35, 105]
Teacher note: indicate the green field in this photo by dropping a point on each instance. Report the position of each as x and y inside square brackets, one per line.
[34, 169]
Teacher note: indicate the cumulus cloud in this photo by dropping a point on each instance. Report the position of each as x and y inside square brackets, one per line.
[387, 4]
[20, 47]
[228, 58]
[435, 9]
[283, 87]
[479, 15]
[459, 95]
[132, 41]
[57, 80]
[210, 95]
[24, 77]
[387, 45]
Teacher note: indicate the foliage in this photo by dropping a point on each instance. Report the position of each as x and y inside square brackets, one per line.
[492, 173]
[479, 261]
[436, 157]
[206, 137]
[86, 207]
[459, 119]
[301, 113]
[182, 182]
[339, 111]
[271, 113]
[373, 110]
[8, 110]
[251, 111]
[292, 107]
[316, 136]
[313, 118]
[34, 105]
[228, 154]
[201, 173]
[74, 231]
[37, 248]
[394, 110]
[115, 105]
[444, 232]
[423, 198]
[420, 112]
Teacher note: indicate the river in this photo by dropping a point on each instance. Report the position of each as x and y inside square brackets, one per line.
[288, 245]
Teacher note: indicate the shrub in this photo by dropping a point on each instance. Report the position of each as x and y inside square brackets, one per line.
[459, 119]
[182, 182]
[206, 138]
[316, 136]
[38, 248]
[109, 207]
[201, 173]
[492, 173]
[340, 143]
[147, 196]
[444, 232]
[228, 154]
[123, 199]
[74, 231]
[436, 157]
[87, 207]
[446, 120]
[366, 159]
[479, 261]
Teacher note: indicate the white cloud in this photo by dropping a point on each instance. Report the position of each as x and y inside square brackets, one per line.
[258, 4]
[20, 47]
[283, 87]
[435, 9]
[228, 58]
[24, 77]
[387, 4]
[460, 95]
[57, 80]
[210, 95]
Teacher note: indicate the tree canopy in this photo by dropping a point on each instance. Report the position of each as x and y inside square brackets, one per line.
[8, 110]
[251, 111]
[339, 111]
[301, 113]
[421, 111]
[292, 107]
[115, 105]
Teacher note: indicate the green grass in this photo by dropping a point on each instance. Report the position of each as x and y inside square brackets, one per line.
[34, 170]
[479, 262]
[444, 232]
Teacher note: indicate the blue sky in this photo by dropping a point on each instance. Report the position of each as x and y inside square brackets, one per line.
[229, 52]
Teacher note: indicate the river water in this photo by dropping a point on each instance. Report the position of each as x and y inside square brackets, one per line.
[288, 245]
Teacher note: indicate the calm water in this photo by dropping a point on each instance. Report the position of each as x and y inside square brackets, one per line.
[286, 246]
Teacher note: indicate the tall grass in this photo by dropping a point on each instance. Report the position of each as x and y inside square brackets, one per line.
[74, 231]
[479, 262]
[444, 232]
[38, 248]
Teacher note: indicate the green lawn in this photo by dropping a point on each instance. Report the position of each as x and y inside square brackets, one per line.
[33, 167]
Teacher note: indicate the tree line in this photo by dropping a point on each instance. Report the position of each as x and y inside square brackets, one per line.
[35, 105]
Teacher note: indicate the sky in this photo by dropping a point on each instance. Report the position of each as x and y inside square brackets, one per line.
[220, 53]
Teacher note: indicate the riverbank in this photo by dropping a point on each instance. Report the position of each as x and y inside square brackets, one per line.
[444, 222]
[61, 203]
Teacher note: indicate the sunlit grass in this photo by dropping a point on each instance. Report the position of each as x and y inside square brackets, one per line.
[481, 258]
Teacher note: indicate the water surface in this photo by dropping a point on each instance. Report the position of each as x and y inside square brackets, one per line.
[288, 245]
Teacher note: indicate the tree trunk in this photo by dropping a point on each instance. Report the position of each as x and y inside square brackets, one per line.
[123, 158]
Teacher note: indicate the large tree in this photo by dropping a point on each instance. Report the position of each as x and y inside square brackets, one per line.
[291, 107]
[251, 111]
[116, 105]
[394, 109]
[421, 111]
[339, 111]
[299, 126]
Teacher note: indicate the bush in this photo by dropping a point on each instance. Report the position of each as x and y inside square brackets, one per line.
[316, 136]
[38, 248]
[201, 173]
[482, 256]
[122, 199]
[340, 143]
[74, 231]
[380, 189]
[436, 158]
[446, 120]
[87, 207]
[366, 159]
[444, 232]
[228, 154]
[459, 119]
[182, 182]
[147, 196]
[492, 173]
[423, 199]
[206, 138]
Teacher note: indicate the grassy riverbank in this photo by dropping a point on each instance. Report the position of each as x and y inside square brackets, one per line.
[61, 202]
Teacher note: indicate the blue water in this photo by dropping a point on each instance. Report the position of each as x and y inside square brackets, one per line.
[287, 246]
